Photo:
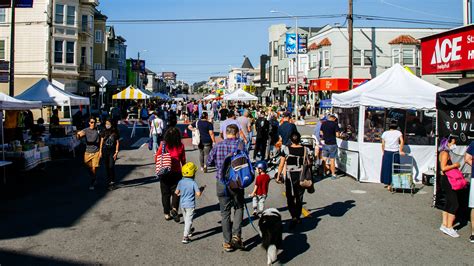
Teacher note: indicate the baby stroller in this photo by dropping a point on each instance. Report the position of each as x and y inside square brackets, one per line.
[310, 143]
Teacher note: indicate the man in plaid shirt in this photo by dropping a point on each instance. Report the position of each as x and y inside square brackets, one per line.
[229, 198]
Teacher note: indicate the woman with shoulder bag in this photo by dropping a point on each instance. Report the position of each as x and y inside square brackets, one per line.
[452, 198]
[156, 130]
[171, 144]
[291, 164]
[109, 145]
[206, 138]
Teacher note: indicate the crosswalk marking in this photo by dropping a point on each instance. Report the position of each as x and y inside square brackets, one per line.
[139, 142]
[304, 211]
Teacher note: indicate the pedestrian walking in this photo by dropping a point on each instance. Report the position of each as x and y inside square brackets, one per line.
[286, 129]
[171, 144]
[260, 190]
[228, 198]
[291, 165]
[231, 121]
[188, 190]
[156, 130]
[392, 143]
[109, 146]
[302, 112]
[223, 113]
[246, 127]
[262, 128]
[468, 159]
[329, 132]
[93, 153]
[206, 138]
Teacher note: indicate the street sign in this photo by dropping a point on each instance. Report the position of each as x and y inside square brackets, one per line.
[102, 89]
[102, 81]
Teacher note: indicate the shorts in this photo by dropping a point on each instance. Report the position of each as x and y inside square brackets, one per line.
[329, 151]
[91, 159]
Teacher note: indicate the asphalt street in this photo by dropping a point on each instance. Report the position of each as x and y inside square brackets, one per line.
[51, 218]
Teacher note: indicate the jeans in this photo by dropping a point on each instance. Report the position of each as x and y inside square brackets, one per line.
[248, 146]
[156, 142]
[188, 214]
[109, 164]
[258, 202]
[260, 146]
[204, 150]
[168, 185]
[294, 195]
[229, 199]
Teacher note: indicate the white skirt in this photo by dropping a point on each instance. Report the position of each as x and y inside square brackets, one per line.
[471, 194]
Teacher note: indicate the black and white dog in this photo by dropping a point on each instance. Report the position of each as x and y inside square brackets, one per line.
[271, 228]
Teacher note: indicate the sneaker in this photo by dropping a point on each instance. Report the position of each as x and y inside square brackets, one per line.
[333, 177]
[174, 215]
[254, 213]
[191, 232]
[443, 228]
[451, 232]
[202, 169]
[228, 247]
[237, 243]
[471, 239]
[205, 169]
[186, 240]
[111, 186]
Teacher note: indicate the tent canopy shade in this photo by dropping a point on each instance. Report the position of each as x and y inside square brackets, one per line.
[394, 88]
[51, 95]
[131, 93]
[240, 95]
[10, 103]
[462, 96]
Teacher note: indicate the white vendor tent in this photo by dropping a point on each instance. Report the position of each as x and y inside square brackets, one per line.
[10, 103]
[209, 97]
[240, 95]
[131, 93]
[51, 95]
[396, 88]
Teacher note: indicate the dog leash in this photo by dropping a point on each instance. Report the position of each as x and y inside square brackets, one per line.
[251, 221]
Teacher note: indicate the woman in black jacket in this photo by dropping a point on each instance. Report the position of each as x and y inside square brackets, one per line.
[109, 145]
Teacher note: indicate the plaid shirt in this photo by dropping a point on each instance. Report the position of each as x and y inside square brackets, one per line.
[220, 151]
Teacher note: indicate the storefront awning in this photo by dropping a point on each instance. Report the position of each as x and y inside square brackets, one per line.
[267, 93]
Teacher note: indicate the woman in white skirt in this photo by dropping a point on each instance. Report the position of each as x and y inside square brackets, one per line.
[468, 159]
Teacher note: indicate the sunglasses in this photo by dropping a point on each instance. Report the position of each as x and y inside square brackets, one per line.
[91, 122]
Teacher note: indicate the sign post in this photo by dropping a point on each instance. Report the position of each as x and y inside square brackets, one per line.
[102, 83]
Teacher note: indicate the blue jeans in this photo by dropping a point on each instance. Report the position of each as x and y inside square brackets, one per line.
[156, 142]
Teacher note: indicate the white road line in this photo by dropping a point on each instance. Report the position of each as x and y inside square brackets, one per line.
[358, 191]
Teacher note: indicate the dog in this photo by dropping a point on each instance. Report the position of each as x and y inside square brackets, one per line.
[271, 228]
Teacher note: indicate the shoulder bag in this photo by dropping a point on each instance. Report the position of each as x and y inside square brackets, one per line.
[162, 161]
[196, 135]
[456, 179]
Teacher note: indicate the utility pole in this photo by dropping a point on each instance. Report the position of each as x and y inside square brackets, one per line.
[12, 52]
[297, 68]
[50, 41]
[350, 25]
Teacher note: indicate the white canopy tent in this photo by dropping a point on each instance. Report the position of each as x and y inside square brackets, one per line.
[209, 97]
[10, 103]
[396, 88]
[240, 95]
[51, 95]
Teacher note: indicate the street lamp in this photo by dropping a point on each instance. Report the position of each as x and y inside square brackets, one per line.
[138, 62]
[297, 57]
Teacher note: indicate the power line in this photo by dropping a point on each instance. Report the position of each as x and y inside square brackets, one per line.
[409, 20]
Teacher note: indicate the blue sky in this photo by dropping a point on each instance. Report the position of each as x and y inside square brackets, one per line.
[197, 51]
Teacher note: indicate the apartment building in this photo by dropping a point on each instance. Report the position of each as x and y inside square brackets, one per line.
[375, 50]
[242, 77]
[274, 34]
[116, 57]
[65, 45]
[99, 57]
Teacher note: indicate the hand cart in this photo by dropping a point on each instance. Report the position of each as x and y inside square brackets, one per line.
[402, 173]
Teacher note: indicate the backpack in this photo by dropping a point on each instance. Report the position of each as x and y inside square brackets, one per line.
[238, 170]
[262, 127]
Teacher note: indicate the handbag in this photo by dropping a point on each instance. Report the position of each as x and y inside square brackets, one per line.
[306, 176]
[196, 135]
[162, 161]
[456, 179]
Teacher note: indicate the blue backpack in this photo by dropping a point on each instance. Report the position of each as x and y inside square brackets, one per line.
[238, 170]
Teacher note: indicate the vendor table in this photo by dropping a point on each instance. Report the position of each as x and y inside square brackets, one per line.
[3, 164]
[68, 143]
[27, 160]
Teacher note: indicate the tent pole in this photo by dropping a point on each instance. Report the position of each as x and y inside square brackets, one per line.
[70, 112]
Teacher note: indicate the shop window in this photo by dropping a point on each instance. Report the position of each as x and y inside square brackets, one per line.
[408, 57]
[348, 121]
[357, 58]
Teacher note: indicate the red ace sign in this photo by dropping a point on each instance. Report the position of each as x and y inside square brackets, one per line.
[451, 51]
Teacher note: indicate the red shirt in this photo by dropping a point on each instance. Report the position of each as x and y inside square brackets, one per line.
[178, 156]
[262, 184]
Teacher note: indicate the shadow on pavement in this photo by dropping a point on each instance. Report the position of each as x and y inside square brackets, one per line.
[293, 245]
[17, 258]
[207, 233]
[205, 210]
[137, 182]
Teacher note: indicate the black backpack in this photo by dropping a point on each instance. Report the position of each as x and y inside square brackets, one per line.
[263, 128]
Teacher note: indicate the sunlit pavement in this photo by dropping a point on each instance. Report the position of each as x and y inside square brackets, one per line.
[59, 221]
